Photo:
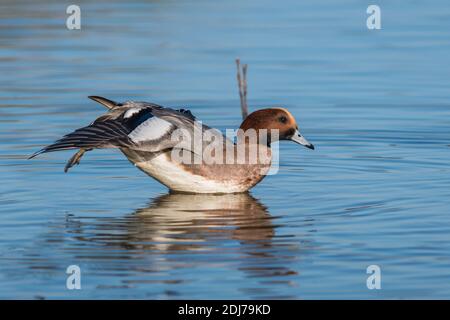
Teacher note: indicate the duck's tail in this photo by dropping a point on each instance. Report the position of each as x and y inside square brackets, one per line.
[109, 104]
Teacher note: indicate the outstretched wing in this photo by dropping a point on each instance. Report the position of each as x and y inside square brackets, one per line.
[140, 127]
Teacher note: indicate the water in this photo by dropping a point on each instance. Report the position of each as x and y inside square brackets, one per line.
[376, 104]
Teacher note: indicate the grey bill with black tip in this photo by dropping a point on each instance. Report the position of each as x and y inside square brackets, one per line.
[298, 138]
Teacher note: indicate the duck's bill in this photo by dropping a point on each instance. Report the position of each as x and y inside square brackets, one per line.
[298, 138]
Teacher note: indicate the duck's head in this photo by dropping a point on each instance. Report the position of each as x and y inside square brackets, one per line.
[279, 119]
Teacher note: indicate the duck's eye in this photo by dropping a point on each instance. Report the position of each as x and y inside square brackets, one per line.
[282, 119]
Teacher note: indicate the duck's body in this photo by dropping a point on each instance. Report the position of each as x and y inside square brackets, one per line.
[144, 133]
[200, 178]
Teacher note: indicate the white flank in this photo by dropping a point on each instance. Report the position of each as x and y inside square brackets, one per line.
[176, 178]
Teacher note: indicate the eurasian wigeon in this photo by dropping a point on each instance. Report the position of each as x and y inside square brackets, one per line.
[145, 133]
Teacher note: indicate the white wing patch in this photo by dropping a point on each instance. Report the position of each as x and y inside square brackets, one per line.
[151, 129]
[130, 112]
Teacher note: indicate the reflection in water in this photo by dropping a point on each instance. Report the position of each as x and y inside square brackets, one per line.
[179, 217]
[232, 232]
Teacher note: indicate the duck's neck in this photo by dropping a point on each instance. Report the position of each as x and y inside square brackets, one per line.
[253, 132]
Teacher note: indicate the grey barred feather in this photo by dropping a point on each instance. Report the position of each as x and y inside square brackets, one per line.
[98, 135]
[140, 126]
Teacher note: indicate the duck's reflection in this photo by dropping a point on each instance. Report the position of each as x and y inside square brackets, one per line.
[172, 220]
[230, 232]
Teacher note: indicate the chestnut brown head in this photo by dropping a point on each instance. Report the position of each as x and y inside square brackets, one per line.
[279, 119]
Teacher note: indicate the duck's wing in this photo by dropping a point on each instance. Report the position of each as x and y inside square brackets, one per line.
[135, 125]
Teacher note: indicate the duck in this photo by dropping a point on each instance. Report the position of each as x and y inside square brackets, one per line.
[170, 146]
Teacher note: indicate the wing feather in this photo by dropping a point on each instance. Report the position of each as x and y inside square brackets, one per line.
[105, 134]
[152, 129]
[134, 125]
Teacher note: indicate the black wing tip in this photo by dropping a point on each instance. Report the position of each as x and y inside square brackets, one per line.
[52, 148]
[36, 154]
